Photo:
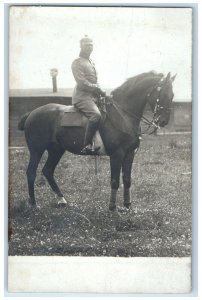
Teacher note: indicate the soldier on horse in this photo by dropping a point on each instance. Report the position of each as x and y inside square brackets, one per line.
[86, 92]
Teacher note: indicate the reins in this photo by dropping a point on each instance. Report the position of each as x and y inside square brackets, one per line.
[109, 101]
[105, 101]
[132, 115]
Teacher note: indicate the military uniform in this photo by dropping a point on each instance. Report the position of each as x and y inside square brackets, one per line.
[86, 91]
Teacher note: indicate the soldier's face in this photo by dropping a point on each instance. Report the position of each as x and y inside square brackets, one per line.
[87, 48]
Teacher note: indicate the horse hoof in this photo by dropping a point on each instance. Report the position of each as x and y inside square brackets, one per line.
[32, 203]
[122, 209]
[62, 202]
[62, 205]
[127, 206]
[112, 207]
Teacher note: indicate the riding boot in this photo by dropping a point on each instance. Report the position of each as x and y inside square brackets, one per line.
[90, 131]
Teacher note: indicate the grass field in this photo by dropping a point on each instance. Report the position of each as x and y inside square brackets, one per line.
[159, 223]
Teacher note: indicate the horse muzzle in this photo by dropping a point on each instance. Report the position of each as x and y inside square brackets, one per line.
[163, 124]
[163, 121]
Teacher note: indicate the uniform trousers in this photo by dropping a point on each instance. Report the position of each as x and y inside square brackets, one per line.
[90, 110]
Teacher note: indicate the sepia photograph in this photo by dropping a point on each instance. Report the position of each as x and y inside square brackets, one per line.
[100, 149]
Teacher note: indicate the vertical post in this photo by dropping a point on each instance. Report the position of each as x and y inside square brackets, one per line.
[54, 84]
[54, 73]
[96, 164]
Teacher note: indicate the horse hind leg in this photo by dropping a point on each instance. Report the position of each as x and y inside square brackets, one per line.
[34, 160]
[55, 153]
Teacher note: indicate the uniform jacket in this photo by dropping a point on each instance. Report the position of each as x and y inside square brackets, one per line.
[86, 78]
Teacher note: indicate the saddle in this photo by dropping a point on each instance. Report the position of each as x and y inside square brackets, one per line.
[72, 117]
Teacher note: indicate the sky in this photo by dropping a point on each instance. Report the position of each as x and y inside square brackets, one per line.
[127, 42]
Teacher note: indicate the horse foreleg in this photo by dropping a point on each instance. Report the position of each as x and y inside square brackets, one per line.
[31, 174]
[126, 174]
[115, 164]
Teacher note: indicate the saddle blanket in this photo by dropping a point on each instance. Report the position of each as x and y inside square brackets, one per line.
[72, 117]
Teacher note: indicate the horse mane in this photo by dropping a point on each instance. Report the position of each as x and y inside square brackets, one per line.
[136, 82]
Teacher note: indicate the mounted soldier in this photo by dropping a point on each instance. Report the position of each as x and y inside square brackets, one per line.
[44, 129]
[86, 92]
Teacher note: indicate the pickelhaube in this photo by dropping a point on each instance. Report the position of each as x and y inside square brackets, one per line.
[86, 40]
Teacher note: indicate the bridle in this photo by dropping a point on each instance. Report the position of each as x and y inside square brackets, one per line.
[155, 105]
[157, 108]
[154, 122]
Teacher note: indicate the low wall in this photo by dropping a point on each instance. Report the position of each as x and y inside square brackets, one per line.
[180, 120]
[19, 106]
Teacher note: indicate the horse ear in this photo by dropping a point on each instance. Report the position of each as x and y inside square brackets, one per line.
[168, 76]
[173, 78]
[160, 75]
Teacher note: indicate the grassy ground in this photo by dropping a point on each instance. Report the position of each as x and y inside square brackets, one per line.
[158, 225]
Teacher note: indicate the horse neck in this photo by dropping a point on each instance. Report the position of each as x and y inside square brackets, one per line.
[136, 101]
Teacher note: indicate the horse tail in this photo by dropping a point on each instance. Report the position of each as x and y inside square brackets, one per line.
[21, 123]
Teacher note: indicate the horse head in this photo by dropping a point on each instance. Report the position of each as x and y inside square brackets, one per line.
[160, 100]
[151, 87]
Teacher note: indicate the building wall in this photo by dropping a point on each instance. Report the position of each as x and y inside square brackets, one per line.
[180, 119]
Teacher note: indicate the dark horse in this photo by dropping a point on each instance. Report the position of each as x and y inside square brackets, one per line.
[119, 130]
